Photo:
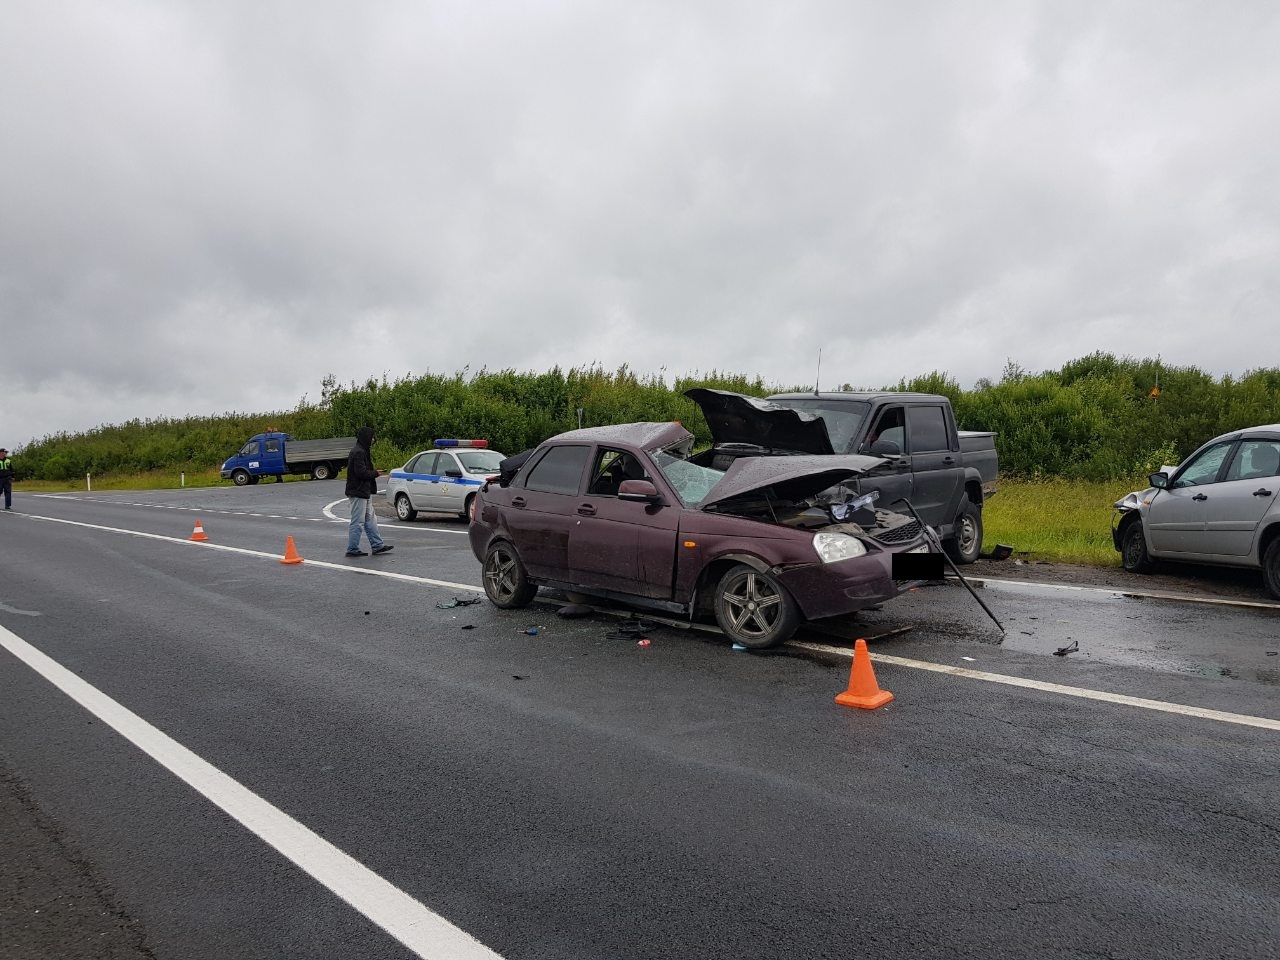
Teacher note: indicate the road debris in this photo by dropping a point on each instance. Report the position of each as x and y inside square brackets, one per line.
[457, 602]
[1070, 648]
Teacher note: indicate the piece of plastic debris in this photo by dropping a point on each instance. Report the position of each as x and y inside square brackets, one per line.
[643, 642]
[738, 646]
[533, 631]
[571, 611]
[516, 676]
[970, 659]
[468, 626]
[1071, 648]
[457, 602]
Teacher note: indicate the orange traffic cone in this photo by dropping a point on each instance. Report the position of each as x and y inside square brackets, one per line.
[290, 552]
[863, 690]
[198, 532]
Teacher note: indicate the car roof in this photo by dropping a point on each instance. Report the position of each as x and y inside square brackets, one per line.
[647, 436]
[857, 395]
[1267, 431]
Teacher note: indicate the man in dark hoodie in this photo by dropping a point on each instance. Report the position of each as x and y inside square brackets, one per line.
[362, 484]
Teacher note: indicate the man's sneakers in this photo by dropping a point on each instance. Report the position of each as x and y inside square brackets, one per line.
[376, 550]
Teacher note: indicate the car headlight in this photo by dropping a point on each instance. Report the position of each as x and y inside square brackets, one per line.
[837, 546]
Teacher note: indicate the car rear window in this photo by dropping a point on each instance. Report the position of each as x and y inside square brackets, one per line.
[559, 471]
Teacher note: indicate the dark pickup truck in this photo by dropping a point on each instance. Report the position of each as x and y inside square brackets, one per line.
[945, 473]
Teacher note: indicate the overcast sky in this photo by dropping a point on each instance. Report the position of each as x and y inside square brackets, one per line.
[209, 207]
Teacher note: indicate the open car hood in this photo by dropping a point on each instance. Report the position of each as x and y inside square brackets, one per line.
[735, 418]
[791, 478]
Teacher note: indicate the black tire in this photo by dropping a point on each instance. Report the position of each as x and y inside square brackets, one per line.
[240, 477]
[965, 545]
[321, 471]
[466, 507]
[1271, 568]
[754, 608]
[404, 509]
[505, 582]
[1133, 549]
[253, 481]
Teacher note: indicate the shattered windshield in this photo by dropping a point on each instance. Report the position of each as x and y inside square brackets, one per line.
[690, 481]
[843, 418]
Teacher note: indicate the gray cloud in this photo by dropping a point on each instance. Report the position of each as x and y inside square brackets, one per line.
[211, 207]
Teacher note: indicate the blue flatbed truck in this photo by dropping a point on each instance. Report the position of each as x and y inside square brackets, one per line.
[275, 454]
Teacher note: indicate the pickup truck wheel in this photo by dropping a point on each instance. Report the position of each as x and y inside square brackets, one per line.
[321, 471]
[240, 477]
[253, 480]
[505, 582]
[966, 542]
[1133, 549]
[1271, 568]
[754, 609]
[404, 509]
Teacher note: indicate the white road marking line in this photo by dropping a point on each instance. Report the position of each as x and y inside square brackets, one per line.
[424, 932]
[1045, 686]
[1059, 688]
[1120, 591]
[389, 574]
[328, 512]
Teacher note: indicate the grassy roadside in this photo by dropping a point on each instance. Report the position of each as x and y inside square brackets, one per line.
[1056, 520]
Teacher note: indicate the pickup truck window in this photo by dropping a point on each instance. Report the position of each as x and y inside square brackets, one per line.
[844, 419]
[273, 446]
[250, 449]
[928, 429]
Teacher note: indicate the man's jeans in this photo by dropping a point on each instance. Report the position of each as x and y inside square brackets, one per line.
[363, 518]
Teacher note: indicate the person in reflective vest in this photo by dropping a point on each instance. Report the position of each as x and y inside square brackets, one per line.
[6, 478]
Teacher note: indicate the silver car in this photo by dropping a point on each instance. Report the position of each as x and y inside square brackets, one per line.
[443, 480]
[1220, 506]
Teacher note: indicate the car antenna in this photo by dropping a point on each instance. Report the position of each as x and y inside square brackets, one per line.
[818, 374]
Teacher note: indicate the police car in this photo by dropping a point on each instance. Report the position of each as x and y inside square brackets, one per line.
[443, 480]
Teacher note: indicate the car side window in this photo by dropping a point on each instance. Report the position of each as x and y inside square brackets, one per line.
[424, 463]
[889, 426]
[928, 429]
[1254, 460]
[559, 471]
[250, 449]
[273, 446]
[1204, 468]
[611, 467]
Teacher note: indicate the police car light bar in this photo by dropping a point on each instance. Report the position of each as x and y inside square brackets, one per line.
[462, 443]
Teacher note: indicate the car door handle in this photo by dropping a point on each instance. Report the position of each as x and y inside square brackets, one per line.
[518, 502]
[1262, 492]
[948, 460]
[586, 510]
[1199, 496]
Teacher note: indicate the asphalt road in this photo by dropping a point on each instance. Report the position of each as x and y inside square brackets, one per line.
[304, 761]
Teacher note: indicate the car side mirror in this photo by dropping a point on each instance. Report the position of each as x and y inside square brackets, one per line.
[641, 491]
[453, 473]
[885, 448]
[1159, 480]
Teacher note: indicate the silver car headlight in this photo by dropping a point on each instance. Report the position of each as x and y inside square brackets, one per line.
[831, 547]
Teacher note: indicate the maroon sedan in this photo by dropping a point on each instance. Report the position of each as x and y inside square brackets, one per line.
[621, 512]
